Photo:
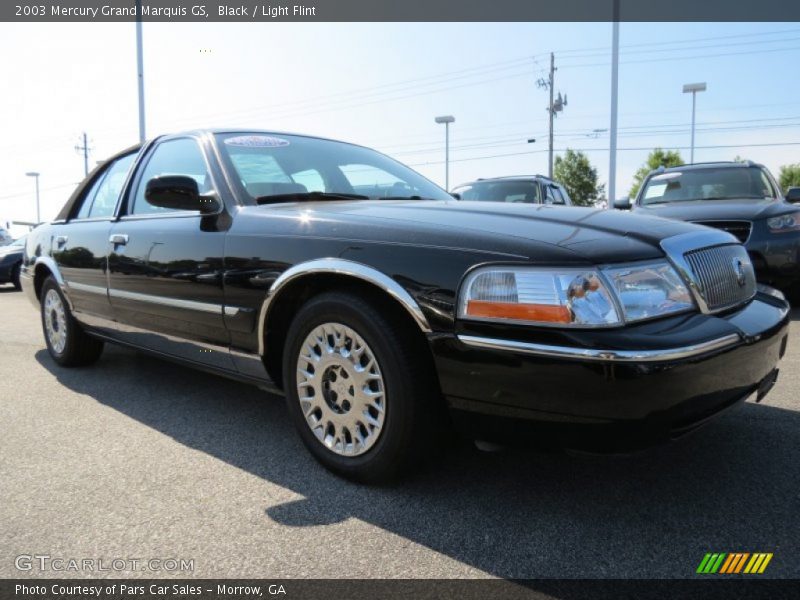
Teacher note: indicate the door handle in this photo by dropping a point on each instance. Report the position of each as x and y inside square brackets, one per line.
[61, 240]
[119, 239]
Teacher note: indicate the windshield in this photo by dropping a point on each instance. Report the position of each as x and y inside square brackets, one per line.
[289, 167]
[19, 242]
[501, 191]
[720, 183]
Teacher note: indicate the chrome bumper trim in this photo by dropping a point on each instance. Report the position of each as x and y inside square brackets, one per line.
[594, 354]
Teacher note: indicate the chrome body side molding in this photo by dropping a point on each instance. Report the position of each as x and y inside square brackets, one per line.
[348, 268]
[208, 307]
[597, 354]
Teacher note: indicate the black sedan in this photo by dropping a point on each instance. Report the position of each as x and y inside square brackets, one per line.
[11, 262]
[739, 197]
[386, 311]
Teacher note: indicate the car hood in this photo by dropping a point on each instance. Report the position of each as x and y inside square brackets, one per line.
[705, 210]
[582, 234]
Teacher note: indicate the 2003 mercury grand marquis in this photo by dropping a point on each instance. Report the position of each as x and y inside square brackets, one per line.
[386, 311]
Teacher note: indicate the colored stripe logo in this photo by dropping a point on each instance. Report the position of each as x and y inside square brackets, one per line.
[734, 562]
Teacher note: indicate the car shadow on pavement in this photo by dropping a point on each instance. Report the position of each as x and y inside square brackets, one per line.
[732, 486]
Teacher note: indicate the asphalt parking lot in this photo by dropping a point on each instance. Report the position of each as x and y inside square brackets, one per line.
[136, 457]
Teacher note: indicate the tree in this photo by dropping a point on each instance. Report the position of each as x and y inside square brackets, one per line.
[789, 176]
[657, 158]
[576, 173]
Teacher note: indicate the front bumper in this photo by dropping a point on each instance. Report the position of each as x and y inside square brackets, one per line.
[613, 390]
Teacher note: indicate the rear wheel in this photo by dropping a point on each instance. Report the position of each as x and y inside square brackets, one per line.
[359, 390]
[67, 342]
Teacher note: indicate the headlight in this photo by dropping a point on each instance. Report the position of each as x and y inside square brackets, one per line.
[573, 297]
[647, 291]
[784, 223]
[561, 297]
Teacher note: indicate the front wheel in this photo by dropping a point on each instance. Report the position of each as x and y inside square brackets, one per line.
[67, 342]
[359, 388]
[15, 277]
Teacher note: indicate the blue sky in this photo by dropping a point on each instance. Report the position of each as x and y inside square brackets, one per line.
[381, 84]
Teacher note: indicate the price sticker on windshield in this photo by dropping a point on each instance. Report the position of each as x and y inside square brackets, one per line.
[256, 141]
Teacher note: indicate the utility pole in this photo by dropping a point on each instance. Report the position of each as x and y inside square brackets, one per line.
[612, 149]
[140, 69]
[85, 149]
[552, 114]
[556, 106]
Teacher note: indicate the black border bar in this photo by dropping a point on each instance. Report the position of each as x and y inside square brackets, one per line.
[270, 11]
[710, 588]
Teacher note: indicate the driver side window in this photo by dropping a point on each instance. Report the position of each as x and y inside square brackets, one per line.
[173, 157]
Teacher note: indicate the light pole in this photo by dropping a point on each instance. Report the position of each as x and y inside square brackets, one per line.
[140, 69]
[446, 119]
[35, 176]
[693, 88]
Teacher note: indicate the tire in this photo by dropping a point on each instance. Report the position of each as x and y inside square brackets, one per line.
[382, 387]
[67, 342]
[15, 277]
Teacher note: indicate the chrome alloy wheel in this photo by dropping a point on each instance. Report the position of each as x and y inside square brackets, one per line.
[55, 321]
[341, 389]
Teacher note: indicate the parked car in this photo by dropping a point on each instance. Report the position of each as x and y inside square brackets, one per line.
[741, 198]
[383, 319]
[528, 189]
[5, 237]
[11, 261]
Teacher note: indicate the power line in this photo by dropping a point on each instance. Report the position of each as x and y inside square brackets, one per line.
[677, 58]
[641, 149]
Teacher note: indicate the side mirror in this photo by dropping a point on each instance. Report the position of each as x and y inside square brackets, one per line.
[456, 195]
[793, 195]
[178, 192]
[622, 203]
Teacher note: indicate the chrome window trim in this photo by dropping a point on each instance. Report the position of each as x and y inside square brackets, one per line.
[339, 266]
[601, 355]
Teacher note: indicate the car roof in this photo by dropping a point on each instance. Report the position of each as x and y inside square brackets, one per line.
[509, 178]
[711, 165]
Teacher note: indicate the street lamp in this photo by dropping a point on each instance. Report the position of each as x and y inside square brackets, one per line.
[35, 175]
[447, 119]
[693, 88]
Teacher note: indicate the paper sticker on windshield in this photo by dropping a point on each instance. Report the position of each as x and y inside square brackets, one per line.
[655, 190]
[256, 141]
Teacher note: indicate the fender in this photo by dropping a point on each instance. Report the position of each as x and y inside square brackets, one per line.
[52, 266]
[349, 268]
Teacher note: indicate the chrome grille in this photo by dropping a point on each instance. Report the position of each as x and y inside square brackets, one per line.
[724, 275]
[740, 229]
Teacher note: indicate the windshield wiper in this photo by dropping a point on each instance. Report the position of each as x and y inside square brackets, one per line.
[300, 196]
[402, 198]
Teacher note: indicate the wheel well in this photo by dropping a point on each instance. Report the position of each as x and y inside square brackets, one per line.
[296, 293]
[39, 275]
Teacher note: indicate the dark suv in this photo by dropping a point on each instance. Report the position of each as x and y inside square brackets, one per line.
[528, 189]
[741, 198]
